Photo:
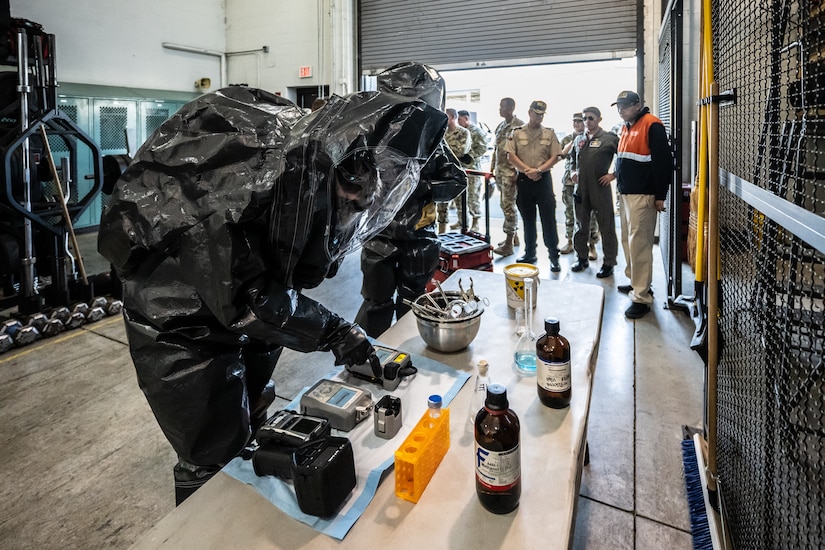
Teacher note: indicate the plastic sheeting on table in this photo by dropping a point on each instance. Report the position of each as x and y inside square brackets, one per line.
[373, 455]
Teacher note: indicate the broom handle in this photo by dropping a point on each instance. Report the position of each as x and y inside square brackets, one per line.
[66, 215]
[713, 282]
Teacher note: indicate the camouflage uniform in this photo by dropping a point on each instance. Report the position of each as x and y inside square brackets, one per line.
[505, 175]
[459, 142]
[478, 146]
[568, 187]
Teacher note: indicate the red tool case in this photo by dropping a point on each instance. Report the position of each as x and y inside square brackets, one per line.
[466, 249]
[462, 251]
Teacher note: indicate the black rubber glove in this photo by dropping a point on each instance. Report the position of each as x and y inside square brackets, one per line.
[350, 346]
[466, 159]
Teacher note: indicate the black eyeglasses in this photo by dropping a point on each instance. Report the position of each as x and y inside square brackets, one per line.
[589, 118]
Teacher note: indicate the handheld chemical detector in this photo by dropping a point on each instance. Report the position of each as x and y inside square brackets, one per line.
[344, 405]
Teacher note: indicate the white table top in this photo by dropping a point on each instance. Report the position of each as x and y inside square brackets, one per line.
[226, 513]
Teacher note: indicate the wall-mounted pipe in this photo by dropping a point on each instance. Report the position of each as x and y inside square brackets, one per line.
[202, 51]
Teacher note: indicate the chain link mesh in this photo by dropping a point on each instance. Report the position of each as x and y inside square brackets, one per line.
[771, 439]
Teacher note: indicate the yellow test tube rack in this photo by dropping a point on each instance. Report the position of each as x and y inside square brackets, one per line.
[418, 457]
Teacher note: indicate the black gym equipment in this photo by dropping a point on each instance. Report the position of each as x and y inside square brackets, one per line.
[41, 197]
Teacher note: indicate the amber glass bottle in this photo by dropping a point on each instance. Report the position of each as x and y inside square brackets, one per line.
[553, 366]
[498, 455]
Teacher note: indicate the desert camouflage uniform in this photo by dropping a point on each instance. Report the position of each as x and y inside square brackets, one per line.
[459, 142]
[568, 187]
[505, 175]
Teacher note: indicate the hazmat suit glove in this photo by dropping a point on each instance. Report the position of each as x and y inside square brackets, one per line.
[350, 346]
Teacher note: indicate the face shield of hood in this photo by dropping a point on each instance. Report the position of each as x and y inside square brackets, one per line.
[353, 165]
[369, 187]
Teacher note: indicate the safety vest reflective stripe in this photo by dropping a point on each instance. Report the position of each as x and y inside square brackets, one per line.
[634, 156]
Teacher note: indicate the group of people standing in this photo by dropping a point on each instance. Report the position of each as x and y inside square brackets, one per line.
[641, 161]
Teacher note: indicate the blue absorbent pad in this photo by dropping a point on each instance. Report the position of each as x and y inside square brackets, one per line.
[373, 455]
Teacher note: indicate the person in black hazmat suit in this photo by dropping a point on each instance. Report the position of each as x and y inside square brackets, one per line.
[234, 205]
[399, 261]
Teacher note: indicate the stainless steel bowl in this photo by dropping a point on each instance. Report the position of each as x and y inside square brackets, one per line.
[446, 335]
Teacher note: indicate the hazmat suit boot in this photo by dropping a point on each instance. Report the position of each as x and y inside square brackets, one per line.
[506, 248]
[258, 409]
[191, 477]
[474, 227]
[258, 414]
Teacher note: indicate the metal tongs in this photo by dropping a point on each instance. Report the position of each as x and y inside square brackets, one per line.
[465, 306]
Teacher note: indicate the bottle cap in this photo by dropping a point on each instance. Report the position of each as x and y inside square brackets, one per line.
[434, 401]
[551, 325]
[496, 398]
[482, 367]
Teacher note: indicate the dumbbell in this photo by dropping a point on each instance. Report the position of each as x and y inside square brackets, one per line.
[21, 334]
[96, 311]
[95, 314]
[54, 325]
[38, 321]
[6, 343]
[61, 313]
[113, 306]
[77, 316]
[46, 326]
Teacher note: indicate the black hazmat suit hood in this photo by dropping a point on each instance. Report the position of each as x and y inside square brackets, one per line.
[234, 205]
[398, 262]
[442, 178]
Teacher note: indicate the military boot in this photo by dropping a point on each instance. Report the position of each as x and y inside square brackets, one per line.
[516, 242]
[474, 227]
[442, 227]
[506, 248]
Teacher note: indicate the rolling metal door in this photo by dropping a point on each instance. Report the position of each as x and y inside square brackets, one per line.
[461, 34]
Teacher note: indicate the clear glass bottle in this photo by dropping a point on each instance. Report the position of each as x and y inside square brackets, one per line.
[497, 453]
[553, 374]
[525, 354]
[480, 383]
[434, 406]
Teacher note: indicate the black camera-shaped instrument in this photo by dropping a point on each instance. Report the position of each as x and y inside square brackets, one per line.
[395, 365]
[299, 447]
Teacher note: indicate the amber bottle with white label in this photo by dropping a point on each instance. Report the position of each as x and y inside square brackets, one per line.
[553, 366]
[497, 453]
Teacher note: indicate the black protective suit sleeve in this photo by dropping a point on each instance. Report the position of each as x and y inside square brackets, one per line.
[446, 177]
[662, 170]
[283, 316]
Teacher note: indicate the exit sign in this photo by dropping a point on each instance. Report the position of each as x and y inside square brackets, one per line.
[304, 72]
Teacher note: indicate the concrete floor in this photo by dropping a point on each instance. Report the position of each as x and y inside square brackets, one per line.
[84, 465]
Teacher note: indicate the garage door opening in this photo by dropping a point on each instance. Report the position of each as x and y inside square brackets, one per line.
[566, 88]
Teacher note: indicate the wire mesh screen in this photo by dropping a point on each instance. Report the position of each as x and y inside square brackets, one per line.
[155, 116]
[771, 430]
[664, 114]
[112, 127]
[672, 226]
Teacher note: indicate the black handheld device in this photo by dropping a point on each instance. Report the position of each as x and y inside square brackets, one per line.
[395, 365]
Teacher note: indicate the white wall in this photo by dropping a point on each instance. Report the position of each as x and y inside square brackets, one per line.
[305, 33]
[118, 42]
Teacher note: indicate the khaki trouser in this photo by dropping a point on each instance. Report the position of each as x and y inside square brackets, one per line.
[637, 214]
